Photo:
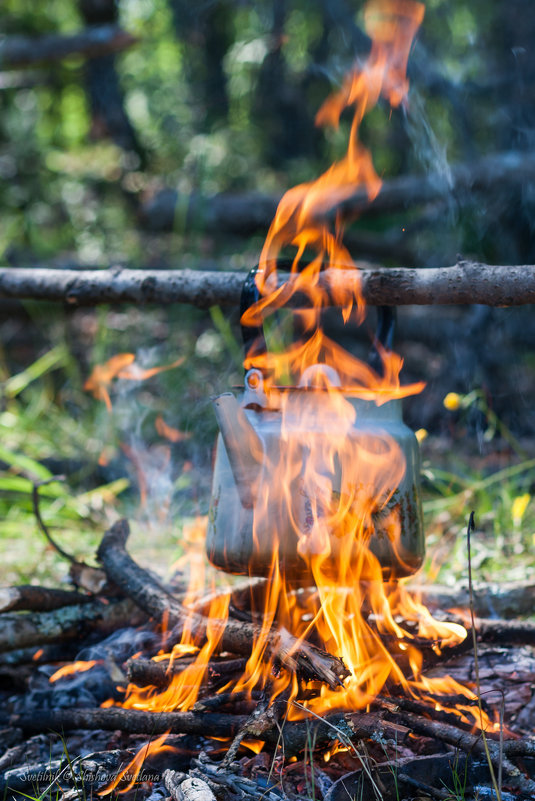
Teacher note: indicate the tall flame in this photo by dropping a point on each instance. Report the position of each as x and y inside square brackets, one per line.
[376, 626]
[300, 221]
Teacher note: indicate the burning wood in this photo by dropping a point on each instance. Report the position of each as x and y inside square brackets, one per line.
[316, 490]
[393, 718]
[238, 638]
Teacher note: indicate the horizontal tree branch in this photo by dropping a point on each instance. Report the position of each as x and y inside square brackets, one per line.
[463, 283]
[23, 51]
[132, 721]
[38, 599]
[37, 628]
[507, 600]
[245, 213]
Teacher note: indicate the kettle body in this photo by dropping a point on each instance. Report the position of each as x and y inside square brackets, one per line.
[287, 516]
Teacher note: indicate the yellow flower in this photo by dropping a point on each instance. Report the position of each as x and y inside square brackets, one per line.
[421, 434]
[520, 504]
[452, 401]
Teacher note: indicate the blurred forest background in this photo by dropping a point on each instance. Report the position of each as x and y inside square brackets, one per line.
[160, 133]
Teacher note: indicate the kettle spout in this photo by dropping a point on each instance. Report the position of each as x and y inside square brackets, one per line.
[243, 445]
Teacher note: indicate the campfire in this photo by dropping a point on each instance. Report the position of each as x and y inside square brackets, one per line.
[321, 652]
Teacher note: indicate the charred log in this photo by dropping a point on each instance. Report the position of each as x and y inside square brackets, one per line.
[510, 599]
[506, 631]
[38, 599]
[37, 628]
[130, 721]
[145, 672]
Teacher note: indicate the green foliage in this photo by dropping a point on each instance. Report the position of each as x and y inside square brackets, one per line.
[67, 189]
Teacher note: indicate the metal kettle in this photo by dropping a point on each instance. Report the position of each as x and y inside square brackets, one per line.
[258, 517]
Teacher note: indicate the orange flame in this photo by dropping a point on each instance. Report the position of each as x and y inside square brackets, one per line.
[73, 668]
[184, 686]
[300, 218]
[374, 626]
[170, 433]
[133, 769]
[122, 365]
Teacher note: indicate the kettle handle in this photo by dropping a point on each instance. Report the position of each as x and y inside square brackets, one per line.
[254, 341]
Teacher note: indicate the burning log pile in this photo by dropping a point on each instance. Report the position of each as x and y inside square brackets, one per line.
[66, 723]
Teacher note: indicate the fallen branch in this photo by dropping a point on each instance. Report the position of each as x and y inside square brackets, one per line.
[304, 659]
[249, 212]
[37, 628]
[129, 721]
[23, 51]
[38, 599]
[145, 672]
[510, 599]
[463, 283]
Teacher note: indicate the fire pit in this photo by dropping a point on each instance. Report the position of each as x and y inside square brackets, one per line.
[298, 681]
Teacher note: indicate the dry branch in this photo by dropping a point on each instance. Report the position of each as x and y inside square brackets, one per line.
[37, 628]
[238, 638]
[249, 212]
[130, 721]
[23, 51]
[145, 672]
[463, 283]
[38, 599]
[510, 599]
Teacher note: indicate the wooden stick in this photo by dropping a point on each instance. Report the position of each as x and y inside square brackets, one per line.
[302, 658]
[510, 599]
[38, 599]
[23, 51]
[37, 628]
[145, 672]
[506, 632]
[463, 283]
[130, 721]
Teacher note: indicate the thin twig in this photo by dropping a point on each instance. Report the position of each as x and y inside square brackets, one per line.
[497, 789]
[42, 525]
